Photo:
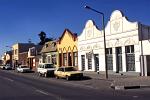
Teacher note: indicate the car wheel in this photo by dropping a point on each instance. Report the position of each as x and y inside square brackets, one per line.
[57, 77]
[67, 78]
[45, 74]
[40, 74]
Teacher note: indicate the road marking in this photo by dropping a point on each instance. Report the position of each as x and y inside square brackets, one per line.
[40, 91]
[8, 79]
[49, 94]
[135, 96]
[5, 78]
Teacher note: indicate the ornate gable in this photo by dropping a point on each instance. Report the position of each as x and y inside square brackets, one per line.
[90, 31]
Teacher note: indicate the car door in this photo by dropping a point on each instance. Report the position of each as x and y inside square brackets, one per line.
[63, 73]
[59, 72]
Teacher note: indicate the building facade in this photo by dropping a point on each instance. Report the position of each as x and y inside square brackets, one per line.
[127, 46]
[49, 53]
[34, 56]
[90, 53]
[67, 49]
[18, 49]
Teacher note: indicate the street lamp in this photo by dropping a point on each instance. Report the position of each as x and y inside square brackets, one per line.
[87, 7]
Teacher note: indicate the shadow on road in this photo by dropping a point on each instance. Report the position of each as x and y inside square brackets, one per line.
[81, 79]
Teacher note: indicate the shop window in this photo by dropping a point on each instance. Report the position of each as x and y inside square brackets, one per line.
[75, 59]
[54, 59]
[64, 59]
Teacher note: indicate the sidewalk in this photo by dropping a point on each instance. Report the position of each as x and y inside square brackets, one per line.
[121, 82]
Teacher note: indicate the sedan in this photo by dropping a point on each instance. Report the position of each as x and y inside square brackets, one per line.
[68, 73]
[23, 68]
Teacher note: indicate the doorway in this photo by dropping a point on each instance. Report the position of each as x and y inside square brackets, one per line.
[118, 59]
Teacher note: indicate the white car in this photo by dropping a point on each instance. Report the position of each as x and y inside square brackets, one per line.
[7, 67]
[23, 68]
[46, 69]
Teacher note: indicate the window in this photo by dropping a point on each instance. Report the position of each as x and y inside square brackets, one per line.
[129, 49]
[46, 45]
[109, 51]
[16, 52]
[48, 59]
[54, 59]
[75, 59]
[64, 59]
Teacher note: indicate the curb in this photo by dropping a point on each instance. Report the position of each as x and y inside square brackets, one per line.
[129, 87]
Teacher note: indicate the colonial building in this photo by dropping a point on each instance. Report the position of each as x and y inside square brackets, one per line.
[67, 49]
[7, 58]
[34, 56]
[126, 43]
[49, 53]
[90, 48]
[20, 49]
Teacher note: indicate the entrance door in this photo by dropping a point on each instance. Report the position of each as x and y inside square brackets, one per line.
[96, 59]
[118, 59]
[69, 59]
[109, 59]
[83, 62]
[130, 58]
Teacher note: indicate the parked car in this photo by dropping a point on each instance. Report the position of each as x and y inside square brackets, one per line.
[23, 68]
[7, 67]
[2, 66]
[68, 73]
[45, 69]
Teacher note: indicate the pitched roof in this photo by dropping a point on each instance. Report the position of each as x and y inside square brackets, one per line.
[49, 47]
[74, 35]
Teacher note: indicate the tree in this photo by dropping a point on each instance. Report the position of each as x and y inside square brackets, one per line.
[43, 38]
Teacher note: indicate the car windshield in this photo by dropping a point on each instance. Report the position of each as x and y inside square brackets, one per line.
[49, 66]
[70, 69]
[23, 67]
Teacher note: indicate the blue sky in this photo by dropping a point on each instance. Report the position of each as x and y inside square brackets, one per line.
[24, 19]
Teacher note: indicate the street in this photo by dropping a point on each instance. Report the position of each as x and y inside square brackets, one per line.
[29, 86]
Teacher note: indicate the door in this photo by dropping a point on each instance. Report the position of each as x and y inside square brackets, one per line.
[83, 62]
[118, 59]
[109, 59]
[130, 58]
[69, 59]
[96, 61]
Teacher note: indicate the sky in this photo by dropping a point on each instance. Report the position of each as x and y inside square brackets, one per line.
[21, 20]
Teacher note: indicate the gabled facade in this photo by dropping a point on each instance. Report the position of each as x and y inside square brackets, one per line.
[122, 43]
[90, 53]
[7, 58]
[127, 46]
[49, 53]
[67, 49]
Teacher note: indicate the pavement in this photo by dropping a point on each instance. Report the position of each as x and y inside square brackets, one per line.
[120, 82]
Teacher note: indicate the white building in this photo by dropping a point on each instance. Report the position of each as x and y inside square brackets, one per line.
[123, 46]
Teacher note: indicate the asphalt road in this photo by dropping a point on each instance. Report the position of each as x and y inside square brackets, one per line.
[20, 86]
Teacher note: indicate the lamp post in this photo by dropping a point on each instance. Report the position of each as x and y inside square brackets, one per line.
[87, 7]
